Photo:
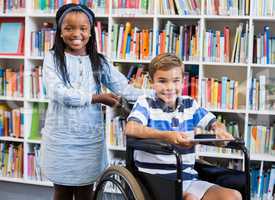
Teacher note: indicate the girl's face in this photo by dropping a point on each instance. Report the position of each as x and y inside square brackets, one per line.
[75, 31]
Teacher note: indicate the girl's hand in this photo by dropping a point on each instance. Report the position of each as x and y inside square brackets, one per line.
[179, 138]
[108, 99]
[221, 132]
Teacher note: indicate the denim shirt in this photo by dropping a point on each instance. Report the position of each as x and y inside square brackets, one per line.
[73, 145]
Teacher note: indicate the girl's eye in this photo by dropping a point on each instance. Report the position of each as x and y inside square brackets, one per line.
[176, 81]
[84, 29]
[68, 28]
[161, 81]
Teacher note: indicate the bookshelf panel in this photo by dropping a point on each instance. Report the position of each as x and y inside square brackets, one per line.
[236, 74]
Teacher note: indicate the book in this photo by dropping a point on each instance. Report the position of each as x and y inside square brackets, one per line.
[37, 122]
[11, 43]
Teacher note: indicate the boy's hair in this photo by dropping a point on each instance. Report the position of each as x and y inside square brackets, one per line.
[165, 61]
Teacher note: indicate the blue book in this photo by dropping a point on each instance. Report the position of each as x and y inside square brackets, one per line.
[128, 45]
[224, 85]
[9, 43]
[267, 37]
[157, 43]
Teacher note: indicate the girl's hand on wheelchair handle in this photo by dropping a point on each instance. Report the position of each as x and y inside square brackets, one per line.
[221, 133]
[108, 99]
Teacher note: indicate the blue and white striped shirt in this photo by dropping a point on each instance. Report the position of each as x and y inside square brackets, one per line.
[154, 113]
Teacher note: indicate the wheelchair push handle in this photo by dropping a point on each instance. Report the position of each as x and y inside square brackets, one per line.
[157, 146]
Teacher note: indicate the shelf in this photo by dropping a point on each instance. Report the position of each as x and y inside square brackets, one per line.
[263, 65]
[34, 141]
[12, 57]
[225, 64]
[220, 155]
[262, 112]
[19, 14]
[179, 16]
[31, 182]
[35, 58]
[34, 100]
[262, 157]
[52, 15]
[264, 18]
[5, 98]
[191, 62]
[226, 110]
[222, 18]
[11, 139]
[116, 148]
[42, 15]
[131, 61]
[146, 16]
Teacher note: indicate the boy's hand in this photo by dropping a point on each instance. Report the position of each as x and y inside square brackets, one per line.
[108, 99]
[179, 138]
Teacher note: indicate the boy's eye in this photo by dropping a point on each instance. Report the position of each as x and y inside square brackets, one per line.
[176, 81]
[162, 81]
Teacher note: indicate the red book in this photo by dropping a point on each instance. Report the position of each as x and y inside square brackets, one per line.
[226, 44]
[193, 87]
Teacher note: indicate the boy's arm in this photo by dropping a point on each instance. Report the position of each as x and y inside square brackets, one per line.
[135, 129]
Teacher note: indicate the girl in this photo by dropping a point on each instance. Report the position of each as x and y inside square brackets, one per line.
[73, 137]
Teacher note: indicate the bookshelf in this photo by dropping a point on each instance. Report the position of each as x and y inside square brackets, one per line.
[155, 21]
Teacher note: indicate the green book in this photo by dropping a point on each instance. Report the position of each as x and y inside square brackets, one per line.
[43, 5]
[37, 122]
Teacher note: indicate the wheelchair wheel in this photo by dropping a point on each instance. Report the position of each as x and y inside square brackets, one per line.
[117, 183]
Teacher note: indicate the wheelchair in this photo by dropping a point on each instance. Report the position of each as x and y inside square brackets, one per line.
[127, 183]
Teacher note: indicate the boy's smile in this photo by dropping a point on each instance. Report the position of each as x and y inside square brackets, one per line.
[75, 31]
[168, 85]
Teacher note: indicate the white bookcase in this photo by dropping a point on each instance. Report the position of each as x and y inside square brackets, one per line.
[155, 21]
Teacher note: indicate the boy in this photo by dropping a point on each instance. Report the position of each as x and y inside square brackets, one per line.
[170, 117]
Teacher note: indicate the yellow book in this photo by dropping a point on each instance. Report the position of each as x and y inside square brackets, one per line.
[212, 92]
[216, 88]
[247, 7]
[112, 136]
[178, 47]
[127, 31]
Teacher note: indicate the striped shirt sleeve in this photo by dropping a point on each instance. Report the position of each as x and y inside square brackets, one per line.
[202, 117]
[140, 111]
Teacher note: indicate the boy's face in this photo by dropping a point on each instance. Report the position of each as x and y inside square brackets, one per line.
[75, 30]
[168, 85]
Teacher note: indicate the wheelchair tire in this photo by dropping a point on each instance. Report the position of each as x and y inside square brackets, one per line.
[128, 179]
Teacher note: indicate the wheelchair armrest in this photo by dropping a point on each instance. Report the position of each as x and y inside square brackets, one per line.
[153, 146]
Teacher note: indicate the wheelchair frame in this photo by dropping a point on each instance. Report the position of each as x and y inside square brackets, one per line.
[138, 184]
[173, 189]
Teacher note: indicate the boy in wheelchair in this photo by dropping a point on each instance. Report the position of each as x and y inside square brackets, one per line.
[171, 117]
